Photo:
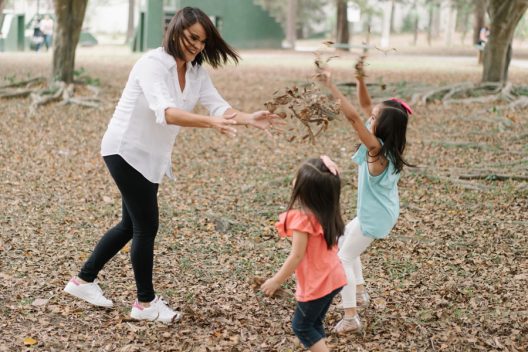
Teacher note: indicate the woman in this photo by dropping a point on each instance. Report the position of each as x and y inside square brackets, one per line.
[162, 90]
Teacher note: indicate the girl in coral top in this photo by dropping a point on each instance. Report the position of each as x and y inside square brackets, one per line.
[313, 220]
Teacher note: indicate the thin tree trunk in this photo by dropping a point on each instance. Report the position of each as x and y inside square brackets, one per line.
[451, 22]
[385, 32]
[2, 4]
[465, 20]
[478, 18]
[414, 13]
[430, 25]
[130, 27]
[69, 19]
[342, 34]
[393, 6]
[415, 36]
[291, 23]
[504, 16]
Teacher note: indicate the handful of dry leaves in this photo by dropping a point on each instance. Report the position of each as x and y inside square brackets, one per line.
[307, 105]
[360, 67]
[256, 282]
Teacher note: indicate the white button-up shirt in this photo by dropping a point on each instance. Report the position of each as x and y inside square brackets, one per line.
[138, 131]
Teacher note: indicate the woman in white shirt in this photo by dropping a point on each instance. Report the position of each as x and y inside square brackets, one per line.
[161, 92]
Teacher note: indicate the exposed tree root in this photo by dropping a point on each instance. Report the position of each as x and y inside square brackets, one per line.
[492, 92]
[493, 177]
[56, 91]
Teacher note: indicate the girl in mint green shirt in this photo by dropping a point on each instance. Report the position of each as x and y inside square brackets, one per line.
[380, 161]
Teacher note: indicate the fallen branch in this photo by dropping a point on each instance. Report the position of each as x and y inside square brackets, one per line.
[18, 93]
[493, 177]
[24, 83]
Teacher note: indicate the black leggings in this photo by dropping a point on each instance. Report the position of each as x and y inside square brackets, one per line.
[139, 223]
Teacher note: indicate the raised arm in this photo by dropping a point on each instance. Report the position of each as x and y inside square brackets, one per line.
[362, 92]
[368, 139]
[363, 96]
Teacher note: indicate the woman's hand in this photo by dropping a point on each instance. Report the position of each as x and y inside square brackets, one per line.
[224, 124]
[264, 120]
[269, 287]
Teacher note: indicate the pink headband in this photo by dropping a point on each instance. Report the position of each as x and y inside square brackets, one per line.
[330, 165]
[404, 104]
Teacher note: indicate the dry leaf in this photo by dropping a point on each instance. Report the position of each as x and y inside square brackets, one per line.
[40, 302]
[29, 341]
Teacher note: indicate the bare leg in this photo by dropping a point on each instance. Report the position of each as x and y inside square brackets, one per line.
[319, 346]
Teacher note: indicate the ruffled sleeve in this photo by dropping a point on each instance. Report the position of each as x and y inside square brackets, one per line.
[361, 155]
[296, 220]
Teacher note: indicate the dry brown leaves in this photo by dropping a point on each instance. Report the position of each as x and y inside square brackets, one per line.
[308, 105]
[451, 277]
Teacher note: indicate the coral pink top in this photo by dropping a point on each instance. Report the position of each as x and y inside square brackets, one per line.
[320, 271]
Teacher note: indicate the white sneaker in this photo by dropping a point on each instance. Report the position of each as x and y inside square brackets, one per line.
[157, 311]
[89, 292]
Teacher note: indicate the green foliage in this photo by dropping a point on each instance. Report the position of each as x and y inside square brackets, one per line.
[81, 75]
[408, 21]
[309, 12]
[521, 31]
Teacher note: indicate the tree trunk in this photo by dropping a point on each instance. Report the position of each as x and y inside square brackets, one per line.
[130, 28]
[342, 34]
[478, 18]
[291, 23]
[450, 26]
[430, 25]
[385, 32]
[2, 3]
[415, 29]
[504, 17]
[68, 23]
[393, 7]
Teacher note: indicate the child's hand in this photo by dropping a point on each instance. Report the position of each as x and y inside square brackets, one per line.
[269, 287]
[324, 76]
[360, 67]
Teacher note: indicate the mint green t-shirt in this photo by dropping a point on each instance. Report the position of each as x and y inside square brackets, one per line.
[378, 203]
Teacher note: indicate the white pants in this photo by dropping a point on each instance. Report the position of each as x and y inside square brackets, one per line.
[351, 245]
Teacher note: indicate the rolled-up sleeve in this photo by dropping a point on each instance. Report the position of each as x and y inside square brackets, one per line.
[210, 98]
[151, 76]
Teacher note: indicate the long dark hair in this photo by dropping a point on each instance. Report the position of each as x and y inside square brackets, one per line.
[391, 128]
[317, 190]
[216, 52]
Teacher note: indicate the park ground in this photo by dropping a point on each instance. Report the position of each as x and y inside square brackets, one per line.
[452, 276]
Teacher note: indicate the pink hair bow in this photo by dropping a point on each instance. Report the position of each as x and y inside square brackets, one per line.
[330, 165]
[404, 104]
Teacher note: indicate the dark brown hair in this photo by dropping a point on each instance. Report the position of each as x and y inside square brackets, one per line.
[317, 190]
[391, 128]
[216, 52]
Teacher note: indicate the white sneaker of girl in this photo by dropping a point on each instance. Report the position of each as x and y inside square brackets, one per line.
[89, 292]
[157, 311]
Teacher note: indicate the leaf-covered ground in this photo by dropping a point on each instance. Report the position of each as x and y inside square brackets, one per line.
[453, 275]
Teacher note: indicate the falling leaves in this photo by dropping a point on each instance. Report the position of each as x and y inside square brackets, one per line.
[306, 105]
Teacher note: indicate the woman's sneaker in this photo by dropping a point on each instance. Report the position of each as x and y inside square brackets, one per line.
[89, 292]
[348, 325]
[157, 311]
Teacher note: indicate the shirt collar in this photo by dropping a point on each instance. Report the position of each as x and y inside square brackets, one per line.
[169, 61]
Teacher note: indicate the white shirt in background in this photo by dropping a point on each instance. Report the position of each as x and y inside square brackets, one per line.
[138, 131]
